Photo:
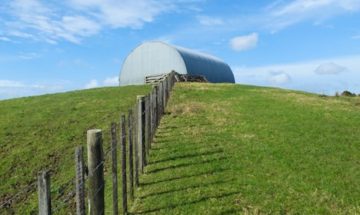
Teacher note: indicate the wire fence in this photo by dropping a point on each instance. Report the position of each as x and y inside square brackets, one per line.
[135, 133]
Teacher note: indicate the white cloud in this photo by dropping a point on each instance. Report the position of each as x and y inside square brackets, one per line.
[112, 81]
[356, 37]
[10, 84]
[210, 21]
[5, 39]
[329, 69]
[92, 84]
[301, 76]
[127, 13]
[242, 43]
[74, 20]
[12, 89]
[41, 22]
[286, 14]
[28, 56]
[279, 78]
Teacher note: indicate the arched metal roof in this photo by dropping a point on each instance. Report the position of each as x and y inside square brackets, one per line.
[153, 58]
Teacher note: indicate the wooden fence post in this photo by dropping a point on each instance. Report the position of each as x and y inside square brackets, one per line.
[154, 89]
[141, 131]
[164, 96]
[114, 168]
[131, 159]
[123, 164]
[160, 100]
[157, 95]
[136, 145]
[166, 88]
[151, 117]
[169, 81]
[80, 181]
[147, 127]
[44, 193]
[96, 171]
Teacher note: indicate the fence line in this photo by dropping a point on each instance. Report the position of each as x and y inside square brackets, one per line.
[143, 120]
[141, 131]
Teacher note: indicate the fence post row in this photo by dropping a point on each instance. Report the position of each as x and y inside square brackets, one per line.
[80, 181]
[44, 193]
[96, 171]
[142, 124]
[123, 164]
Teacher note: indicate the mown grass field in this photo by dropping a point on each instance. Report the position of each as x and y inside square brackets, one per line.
[42, 132]
[233, 149]
[220, 149]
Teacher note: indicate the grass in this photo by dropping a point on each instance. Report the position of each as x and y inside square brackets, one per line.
[220, 149]
[225, 149]
[42, 132]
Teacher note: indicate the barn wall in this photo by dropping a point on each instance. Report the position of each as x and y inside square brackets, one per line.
[150, 59]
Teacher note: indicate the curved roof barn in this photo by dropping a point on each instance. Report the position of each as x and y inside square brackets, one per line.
[155, 58]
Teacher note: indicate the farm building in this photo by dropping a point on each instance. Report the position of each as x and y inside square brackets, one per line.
[157, 58]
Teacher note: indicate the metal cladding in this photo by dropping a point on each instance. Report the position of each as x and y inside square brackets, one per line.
[155, 58]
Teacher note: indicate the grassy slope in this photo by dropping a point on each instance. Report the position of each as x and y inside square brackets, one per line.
[42, 132]
[231, 148]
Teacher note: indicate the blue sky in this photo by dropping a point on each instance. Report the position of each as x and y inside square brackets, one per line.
[54, 46]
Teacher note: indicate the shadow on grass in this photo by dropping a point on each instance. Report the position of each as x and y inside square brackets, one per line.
[208, 184]
[209, 172]
[185, 203]
[184, 148]
[192, 155]
[174, 166]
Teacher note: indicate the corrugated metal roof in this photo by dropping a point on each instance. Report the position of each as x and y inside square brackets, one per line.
[152, 58]
[213, 68]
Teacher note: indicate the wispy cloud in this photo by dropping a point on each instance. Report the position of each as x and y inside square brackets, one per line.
[244, 42]
[284, 14]
[10, 84]
[74, 20]
[279, 78]
[5, 39]
[37, 20]
[329, 69]
[305, 75]
[92, 84]
[210, 21]
[28, 56]
[13, 88]
[127, 13]
[111, 81]
[356, 37]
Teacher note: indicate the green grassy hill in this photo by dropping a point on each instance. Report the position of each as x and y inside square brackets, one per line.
[220, 149]
[42, 132]
[225, 149]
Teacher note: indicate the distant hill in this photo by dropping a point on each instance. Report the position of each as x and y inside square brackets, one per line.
[220, 149]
